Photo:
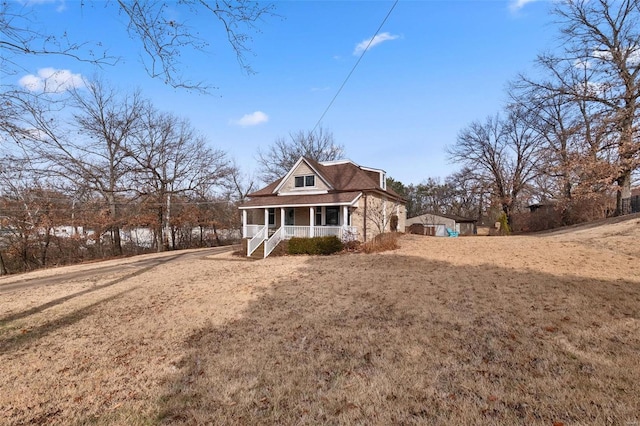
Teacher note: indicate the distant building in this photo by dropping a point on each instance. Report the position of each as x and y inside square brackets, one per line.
[437, 224]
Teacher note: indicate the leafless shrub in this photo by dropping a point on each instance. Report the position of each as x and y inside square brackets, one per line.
[381, 242]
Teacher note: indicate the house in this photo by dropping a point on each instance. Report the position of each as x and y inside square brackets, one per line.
[316, 199]
[437, 224]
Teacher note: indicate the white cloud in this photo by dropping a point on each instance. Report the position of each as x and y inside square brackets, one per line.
[516, 5]
[362, 46]
[61, 4]
[253, 119]
[51, 80]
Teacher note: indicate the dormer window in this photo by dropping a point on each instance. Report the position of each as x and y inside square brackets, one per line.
[304, 181]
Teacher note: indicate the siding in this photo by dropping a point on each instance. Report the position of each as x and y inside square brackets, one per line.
[302, 170]
[376, 222]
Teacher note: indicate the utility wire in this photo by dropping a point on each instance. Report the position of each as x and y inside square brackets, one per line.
[355, 66]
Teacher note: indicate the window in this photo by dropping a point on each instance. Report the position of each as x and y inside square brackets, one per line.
[333, 216]
[318, 216]
[303, 181]
[272, 216]
[290, 217]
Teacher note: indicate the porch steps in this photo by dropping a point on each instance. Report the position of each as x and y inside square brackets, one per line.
[259, 252]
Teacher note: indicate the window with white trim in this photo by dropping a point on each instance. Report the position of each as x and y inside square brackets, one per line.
[305, 181]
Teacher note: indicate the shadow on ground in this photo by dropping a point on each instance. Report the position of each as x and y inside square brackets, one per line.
[391, 339]
[13, 342]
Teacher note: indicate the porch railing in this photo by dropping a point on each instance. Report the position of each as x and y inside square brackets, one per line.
[252, 230]
[272, 242]
[296, 232]
[257, 239]
[345, 233]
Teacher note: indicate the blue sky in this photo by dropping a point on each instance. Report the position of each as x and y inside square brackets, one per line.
[440, 65]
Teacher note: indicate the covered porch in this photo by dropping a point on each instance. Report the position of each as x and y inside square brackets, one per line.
[274, 224]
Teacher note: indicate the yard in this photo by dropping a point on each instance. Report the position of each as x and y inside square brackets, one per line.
[480, 330]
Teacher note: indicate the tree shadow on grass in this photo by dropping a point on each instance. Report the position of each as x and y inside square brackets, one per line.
[12, 343]
[60, 300]
[392, 339]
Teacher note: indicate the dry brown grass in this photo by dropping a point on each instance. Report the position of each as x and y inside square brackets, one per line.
[502, 330]
[381, 243]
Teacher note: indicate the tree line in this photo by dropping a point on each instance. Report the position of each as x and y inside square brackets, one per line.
[102, 160]
[568, 137]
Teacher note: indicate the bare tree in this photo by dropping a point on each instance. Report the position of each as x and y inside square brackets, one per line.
[278, 159]
[30, 209]
[161, 27]
[172, 159]
[576, 144]
[502, 151]
[470, 194]
[92, 148]
[239, 185]
[601, 40]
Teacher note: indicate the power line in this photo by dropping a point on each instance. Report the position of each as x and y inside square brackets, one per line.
[355, 66]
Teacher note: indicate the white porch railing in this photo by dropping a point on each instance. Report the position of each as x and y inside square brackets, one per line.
[345, 233]
[252, 230]
[257, 239]
[272, 242]
[296, 231]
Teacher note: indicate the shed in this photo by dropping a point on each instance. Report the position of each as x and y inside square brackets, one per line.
[437, 224]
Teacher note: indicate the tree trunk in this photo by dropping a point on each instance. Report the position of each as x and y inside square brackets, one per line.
[506, 208]
[623, 195]
[3, 268]
[215, 232]
[160, 241]
[45, 248]
[168, 224]
[115, 228]
[117, 241]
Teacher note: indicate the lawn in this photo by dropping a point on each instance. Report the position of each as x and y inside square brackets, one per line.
[479, 330]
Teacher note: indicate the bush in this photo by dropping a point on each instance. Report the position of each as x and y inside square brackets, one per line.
[317, 245]
[382, 242]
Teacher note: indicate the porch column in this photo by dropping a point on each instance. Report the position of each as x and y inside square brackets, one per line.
[282, 219]
[345, 215]
[312, 217]
[244, 224]
[266, 223]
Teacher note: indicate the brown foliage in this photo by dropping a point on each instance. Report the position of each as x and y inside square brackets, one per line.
[381, 242]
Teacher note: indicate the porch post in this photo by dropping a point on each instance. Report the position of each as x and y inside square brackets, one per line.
[345, 215]
[244, 224]
[266, 223]
[282, 218]
[312, 217]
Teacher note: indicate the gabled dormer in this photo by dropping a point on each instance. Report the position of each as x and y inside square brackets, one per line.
[303, 178]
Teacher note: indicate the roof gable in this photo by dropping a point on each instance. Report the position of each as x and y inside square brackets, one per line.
[336, 176]
[302, 167]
